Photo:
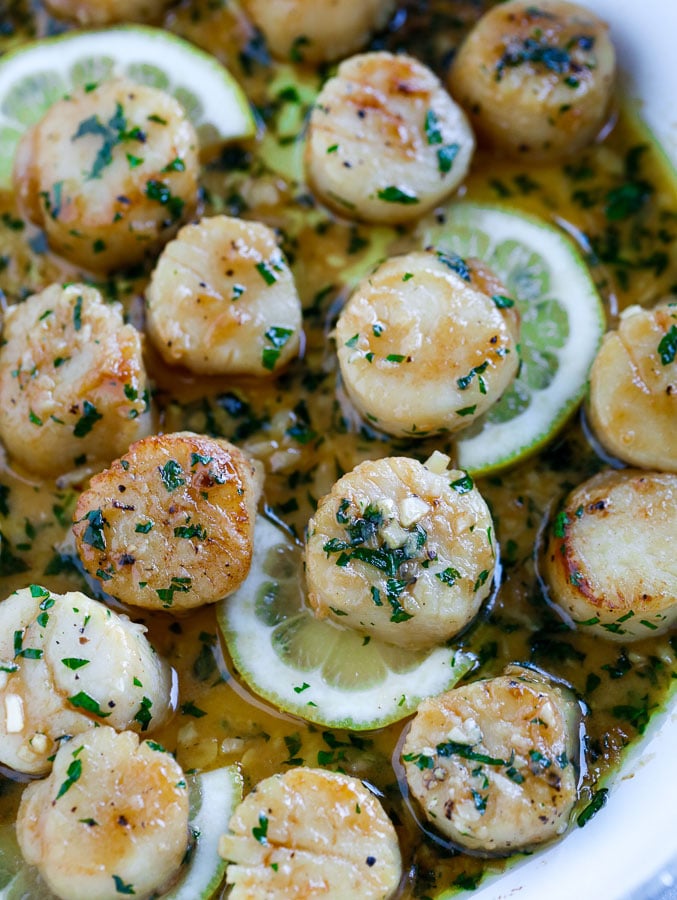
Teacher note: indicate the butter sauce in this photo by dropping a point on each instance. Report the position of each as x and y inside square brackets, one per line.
[619, 202]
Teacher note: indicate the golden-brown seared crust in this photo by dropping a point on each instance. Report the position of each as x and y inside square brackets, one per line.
[170, 525]
[609, 556]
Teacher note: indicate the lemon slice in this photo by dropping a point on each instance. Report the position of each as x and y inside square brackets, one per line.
[213, 798]
[561, 329]
[326, 674]
[37, 75]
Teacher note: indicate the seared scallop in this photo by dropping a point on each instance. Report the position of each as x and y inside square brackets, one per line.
[536, 79]
[633, 388]
[493, 764]
[68, 664]
[609, 561]
[309, 833]
[73, 386]
[109, 174]
[111, 819]
[222, 300]
[385, 140]
[170, 525]
[401, 551]
[304, 30]
[422, 347]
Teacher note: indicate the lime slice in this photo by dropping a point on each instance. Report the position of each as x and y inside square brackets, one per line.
[562, 326]
[37, 75]
[213, 798]
[326, 674]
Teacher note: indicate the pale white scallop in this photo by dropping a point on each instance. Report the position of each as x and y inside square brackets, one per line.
[111, 818]
[311, 833]
[222, 300]
[385, 140]
[68, 664]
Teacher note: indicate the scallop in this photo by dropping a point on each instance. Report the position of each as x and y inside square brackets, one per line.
[67, 664]
[609, 561]
[311, 833]
[536, 80]
[109, 174]
[633, 388]
[493, 764]
[385, 141]
[111, 819]
[222, 300]
[73, 386]
[422, 347]
[170, 525]
[302, 30]
[401, 552]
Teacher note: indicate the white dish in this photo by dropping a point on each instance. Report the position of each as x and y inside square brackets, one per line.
[629, 849]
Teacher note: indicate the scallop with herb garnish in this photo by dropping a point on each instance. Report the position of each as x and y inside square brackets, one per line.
[67, 664]
[385, 141]
[311, 833]
[423, 347]
[536, 79]
[109, 173]
[170, 525]
[111, 819]
[401, 551]
[73, 386]
[493, 764]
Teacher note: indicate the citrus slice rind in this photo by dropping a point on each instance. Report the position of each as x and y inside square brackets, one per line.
[213, 798]
[38, 74]
[314, 669]
[562, 322]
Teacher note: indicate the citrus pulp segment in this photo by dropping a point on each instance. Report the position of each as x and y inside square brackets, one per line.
[213, 798]
[562, 322]
[37, 75]
[315, 669]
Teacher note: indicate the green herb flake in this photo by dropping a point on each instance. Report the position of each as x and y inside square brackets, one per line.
[81, 700]
[260, 831]
[462, 485]
[143, 527]
[73, 773]
[143, 714]
[392, 194]
[599, 799]
[278, 337]
[161, 193]
[190, 709]
[74, 663]
[171, 474]
[446, 156]
[266, 272]
[448, 576]
[502, 302]
[90, 416]
[667, 347]
[94, 535]
[121, 887]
